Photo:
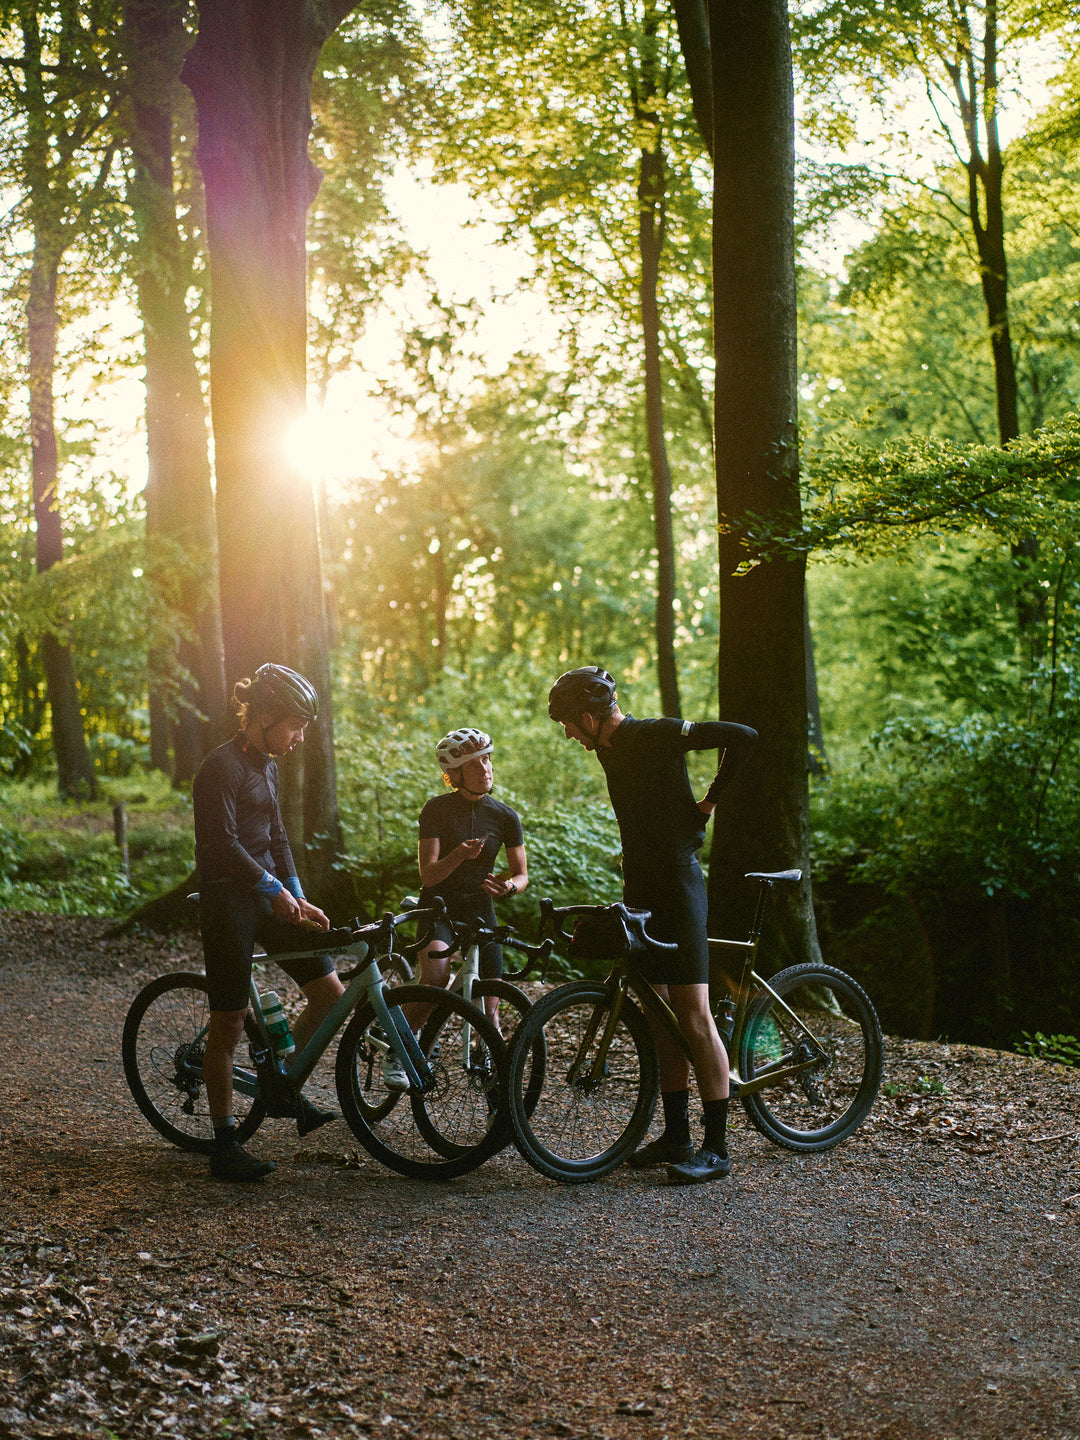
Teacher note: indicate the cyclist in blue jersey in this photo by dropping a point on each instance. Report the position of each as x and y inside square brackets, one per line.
[249, 891]
[461, 834]
[661, 826]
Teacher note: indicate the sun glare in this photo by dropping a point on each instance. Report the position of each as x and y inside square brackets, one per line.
[323, 446]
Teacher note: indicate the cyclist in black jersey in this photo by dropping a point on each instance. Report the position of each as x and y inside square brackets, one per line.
[661, 826]
[249, 891]
[461, 834]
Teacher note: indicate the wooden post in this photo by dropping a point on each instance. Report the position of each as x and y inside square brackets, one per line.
[119, 816]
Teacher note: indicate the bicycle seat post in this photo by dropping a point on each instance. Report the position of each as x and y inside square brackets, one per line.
[764, 887]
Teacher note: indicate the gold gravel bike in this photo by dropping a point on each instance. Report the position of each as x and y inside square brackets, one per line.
[806, 1046]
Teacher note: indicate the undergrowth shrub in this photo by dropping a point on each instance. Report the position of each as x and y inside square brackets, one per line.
[972, 827]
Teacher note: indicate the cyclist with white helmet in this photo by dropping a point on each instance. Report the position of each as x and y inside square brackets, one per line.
[249, 891]
[461, 834]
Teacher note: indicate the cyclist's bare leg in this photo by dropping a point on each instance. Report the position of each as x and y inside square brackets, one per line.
[321, 996]
[491, 1005]
[674, 1067]
[223, 1035]
[691, 1006]
[434, 970]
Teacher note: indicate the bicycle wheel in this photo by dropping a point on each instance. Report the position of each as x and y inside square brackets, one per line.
[582, 1127]
[825, 1103]
[465, 1106]
[162, 1050]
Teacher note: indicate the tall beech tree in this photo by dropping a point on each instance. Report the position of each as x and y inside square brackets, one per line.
[250, 72]
[762, 678]
[59, 86]
[179, 495]
[956, 50]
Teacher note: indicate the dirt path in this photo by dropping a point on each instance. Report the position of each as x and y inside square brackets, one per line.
[921, 1280]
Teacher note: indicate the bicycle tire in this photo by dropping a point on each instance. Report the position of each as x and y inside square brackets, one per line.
[824, 1105]
[162, 1049]
[510, 996]
[578, 1130]
[467, 1110]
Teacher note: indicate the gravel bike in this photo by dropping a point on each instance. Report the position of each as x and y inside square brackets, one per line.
[806, 1044]
[457, 1092]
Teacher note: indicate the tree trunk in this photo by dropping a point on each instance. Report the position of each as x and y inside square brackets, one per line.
[692, 19]
[764, 822]
[986, 211]
[250, 73]
[75, 770]
[650, 244]
[179, 496]
[652, 183]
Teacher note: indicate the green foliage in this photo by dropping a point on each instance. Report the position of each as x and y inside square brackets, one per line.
[59, 858]
[993, 804]
[875, 500]
[1059, 1049]
[500, 553]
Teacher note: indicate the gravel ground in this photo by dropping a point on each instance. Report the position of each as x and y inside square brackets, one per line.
[920, 1280]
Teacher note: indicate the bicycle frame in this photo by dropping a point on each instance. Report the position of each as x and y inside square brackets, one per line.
[623, 978]
[367, 982]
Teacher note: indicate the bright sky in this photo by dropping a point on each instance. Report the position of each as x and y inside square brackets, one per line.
[353, 434]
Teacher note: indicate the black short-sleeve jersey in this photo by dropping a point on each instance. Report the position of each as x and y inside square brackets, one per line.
[452, 818]
[660, 824]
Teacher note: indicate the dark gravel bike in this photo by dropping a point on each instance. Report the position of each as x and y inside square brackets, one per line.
[806, 1046]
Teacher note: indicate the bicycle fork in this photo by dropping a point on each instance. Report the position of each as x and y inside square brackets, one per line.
[414, 1062]
[584, 1075]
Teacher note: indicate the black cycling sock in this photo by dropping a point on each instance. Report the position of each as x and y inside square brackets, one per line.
[716, 1125]
[225, 1130]
[676, 1116]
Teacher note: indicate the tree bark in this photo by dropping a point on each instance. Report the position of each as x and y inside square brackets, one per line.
[179, 495]
[250, 73]
[652, 180]
[986, 209]
[692, 20]
[764, 822]
[75, 771]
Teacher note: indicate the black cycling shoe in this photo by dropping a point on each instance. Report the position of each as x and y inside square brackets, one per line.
[309, 1117]
[701, 1166]
[661, 1152]
[229, 1161]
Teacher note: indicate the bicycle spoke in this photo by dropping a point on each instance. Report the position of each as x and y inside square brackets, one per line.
[587, 1119]
[162, 1049]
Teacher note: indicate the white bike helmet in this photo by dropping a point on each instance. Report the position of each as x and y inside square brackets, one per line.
[460, 745]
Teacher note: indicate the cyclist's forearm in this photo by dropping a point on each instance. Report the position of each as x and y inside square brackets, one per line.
[434, 872]
[734, 747]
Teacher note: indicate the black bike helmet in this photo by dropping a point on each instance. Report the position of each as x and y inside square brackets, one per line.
[588, 690]
[280, 689]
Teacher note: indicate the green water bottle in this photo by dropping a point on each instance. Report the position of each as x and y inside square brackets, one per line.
[277, 1024]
